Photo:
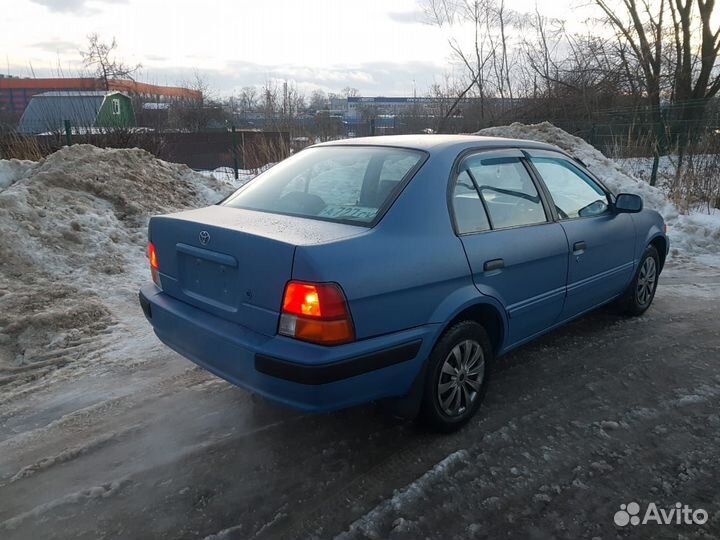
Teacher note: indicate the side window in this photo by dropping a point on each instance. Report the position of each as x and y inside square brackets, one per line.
[470, 214]
[574, 193]
[116, 106]
[508, 191]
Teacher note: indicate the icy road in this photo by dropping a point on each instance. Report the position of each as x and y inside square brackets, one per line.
[601, 413]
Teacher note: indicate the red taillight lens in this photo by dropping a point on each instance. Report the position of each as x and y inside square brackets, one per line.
[154, 266]
[324, 300]
[316, 312]
[152, 255]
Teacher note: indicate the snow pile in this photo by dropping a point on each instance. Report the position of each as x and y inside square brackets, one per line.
[72, 249]
[691, 234]
[641, 167]
[228, 174]
[12, 170]
[371, 524]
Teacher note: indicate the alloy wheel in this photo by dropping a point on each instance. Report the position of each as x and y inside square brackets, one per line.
[461, 378]
[646, 281]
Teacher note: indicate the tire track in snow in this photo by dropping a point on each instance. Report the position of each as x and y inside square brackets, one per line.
[72, 453]
[103, 491]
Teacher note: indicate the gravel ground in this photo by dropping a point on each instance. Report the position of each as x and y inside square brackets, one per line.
[604, 412]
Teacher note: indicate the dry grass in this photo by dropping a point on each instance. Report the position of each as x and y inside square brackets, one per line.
[629, 145]
[262, 151]
[696, 185]
[16, 146]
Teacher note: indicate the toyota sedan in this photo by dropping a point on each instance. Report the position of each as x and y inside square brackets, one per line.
[396, 267]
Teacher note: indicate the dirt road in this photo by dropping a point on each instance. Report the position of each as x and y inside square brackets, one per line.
[601, 413]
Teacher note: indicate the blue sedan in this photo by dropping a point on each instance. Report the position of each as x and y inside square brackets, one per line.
[396, 267]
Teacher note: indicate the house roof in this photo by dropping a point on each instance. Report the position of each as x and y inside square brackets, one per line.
[49, 110]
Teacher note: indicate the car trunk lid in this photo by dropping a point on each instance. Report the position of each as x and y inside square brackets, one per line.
[235, 263]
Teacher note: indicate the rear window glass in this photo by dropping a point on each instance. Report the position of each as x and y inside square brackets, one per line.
[336, 183]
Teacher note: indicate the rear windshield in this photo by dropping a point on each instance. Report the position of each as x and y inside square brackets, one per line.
[347, 184]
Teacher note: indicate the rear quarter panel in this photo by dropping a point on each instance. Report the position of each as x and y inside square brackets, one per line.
[409, 270]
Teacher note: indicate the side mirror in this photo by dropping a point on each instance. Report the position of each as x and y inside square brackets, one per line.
[627, 203]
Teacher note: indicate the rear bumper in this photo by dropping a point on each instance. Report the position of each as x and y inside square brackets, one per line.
[300, 375]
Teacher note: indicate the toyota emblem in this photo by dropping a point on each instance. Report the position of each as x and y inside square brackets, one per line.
[204, 238]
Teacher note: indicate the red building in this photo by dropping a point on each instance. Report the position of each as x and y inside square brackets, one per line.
[15, 93]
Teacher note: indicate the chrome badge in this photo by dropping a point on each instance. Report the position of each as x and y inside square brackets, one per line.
[204, 238]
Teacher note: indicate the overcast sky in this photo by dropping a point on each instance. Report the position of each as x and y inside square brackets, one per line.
[379, 47]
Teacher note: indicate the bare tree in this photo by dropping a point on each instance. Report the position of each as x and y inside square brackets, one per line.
[248, 98]
[271, 103]
[695, 77]
[447, 96]
[318, 100]
[490, 55]
[199, 114]
[100, 57]
[642, 29]
[349, 91]
[544, 47]
[687, 74]
[447, 15]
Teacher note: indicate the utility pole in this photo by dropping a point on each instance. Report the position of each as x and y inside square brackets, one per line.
[233, 139]
[285, 102]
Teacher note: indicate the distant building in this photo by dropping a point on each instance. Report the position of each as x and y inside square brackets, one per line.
[358, 107]
[47, 112]
[16, 93]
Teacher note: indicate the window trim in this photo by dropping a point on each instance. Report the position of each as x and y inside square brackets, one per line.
[546, 154]
[115, 102]
[536, 152]
[453, 185]
[501, 152]
[424, 155]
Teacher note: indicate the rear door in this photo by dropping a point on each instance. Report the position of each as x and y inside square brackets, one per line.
[600, 262]
[516, 253]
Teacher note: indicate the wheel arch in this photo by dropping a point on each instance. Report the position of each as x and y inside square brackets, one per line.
[659, 242]
[485, 312]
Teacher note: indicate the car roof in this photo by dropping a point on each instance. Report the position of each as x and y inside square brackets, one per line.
[441, 142]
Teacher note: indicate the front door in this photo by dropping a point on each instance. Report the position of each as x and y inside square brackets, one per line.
[600, 260]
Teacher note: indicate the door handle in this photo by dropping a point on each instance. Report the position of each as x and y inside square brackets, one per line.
[495, 264]
[579, 248]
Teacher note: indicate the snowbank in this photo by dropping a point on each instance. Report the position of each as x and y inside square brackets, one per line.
[228, 174]
[13, 169]
[371, 524]
[692, 234]
[72, 250]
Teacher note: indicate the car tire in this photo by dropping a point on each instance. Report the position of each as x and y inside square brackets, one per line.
[457, 376]
[639, 295]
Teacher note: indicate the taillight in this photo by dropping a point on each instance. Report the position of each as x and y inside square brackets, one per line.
[316, 312]
[154, 266]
